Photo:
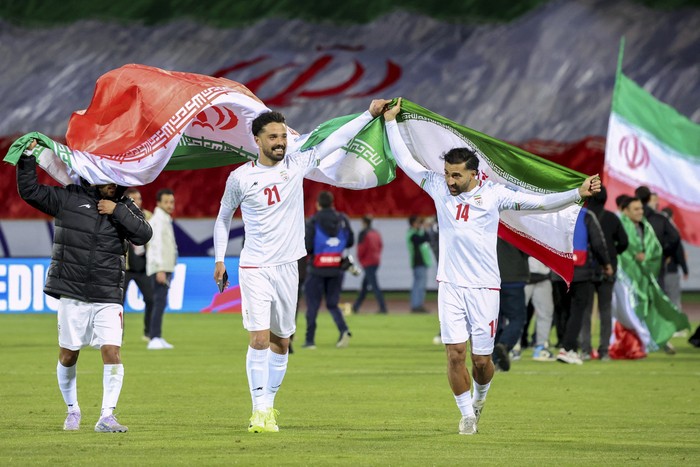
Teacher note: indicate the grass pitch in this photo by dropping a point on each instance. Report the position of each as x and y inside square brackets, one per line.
[382, 401]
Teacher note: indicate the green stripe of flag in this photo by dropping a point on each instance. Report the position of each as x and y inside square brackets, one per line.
[663, 122]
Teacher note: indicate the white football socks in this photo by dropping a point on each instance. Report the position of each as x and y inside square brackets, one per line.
[112, 381]
[277, 365]
[464, 402]
[68, 384]
[257, 370]
[480, 390]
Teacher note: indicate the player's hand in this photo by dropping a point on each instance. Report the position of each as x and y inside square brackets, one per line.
[105, 206]
[640, 257]
[32, 145]
[590, 186]
[608, 270]
[219, 270]
[391, 114]
[161, 277]
[378, 106]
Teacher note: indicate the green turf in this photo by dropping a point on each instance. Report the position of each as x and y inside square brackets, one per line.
[383, 401]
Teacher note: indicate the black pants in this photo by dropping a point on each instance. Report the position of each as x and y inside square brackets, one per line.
[604, 289]
[144, 284]
[370, 282]
[160, 300]
[512, 314]
[581, 302]
[314, 289]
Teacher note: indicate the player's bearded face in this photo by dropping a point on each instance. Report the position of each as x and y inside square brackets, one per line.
[272, 141]
[458, 178]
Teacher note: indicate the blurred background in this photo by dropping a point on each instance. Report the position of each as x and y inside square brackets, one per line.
[538, 74]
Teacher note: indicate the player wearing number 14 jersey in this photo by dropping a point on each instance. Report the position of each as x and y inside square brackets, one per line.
[270, 195]
[469, 279]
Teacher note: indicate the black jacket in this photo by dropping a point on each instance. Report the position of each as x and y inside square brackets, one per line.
[88, 255]
[512, 263]
[666, 233]
[615, 236]
[597, 252]
[331, 221]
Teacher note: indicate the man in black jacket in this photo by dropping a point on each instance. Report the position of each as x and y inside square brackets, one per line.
[86, 275]
[616, 242]
[328, 233]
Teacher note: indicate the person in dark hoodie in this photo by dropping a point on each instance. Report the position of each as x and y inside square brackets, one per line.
[616, 242]
[328, 234]
[593, 255]
[87, 271]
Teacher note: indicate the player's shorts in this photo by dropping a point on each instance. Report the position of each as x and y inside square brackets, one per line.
[465, 312]
[269, 298]
[82, 324]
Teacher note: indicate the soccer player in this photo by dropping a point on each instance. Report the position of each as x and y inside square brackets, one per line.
[469, 280]
[270, 194]
[86, 275]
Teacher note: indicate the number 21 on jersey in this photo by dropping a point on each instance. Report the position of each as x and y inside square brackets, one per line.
[462, 212]
[273, 196]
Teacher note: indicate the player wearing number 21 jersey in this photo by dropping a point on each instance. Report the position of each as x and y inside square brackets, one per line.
[468, 297]
[270, 195]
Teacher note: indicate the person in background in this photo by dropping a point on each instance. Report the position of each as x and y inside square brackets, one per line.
[328, 234]
[616, 242]
[136, 268]
[419, 257]
[86, 275]
[161, 257]
[676, 264]
[538, 291]
[369, 254]
[512, 311]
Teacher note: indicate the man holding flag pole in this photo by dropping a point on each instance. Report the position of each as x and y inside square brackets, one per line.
[468, 293]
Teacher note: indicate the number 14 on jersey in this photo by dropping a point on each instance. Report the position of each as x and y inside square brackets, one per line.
[462, 212]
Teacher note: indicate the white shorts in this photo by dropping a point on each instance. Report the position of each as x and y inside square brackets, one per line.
[82, 324]
[269, 298]
[465, 312]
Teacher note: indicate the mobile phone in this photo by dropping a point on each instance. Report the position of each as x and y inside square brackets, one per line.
[222, 282]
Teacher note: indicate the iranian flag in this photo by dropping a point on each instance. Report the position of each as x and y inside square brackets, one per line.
[143, 120]
[651, 144]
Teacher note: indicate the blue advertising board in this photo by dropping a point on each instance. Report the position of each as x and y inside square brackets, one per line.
[192, 288]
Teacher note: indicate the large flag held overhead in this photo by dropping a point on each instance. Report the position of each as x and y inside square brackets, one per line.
[143, 120]
[651, 144]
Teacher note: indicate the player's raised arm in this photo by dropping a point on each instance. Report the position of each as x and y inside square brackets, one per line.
[403, 157]
[345, 133]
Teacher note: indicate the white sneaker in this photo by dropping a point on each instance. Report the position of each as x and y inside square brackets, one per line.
[158, 343]
[344, 340]
[166, 344]
[467, 425]
[570, 357]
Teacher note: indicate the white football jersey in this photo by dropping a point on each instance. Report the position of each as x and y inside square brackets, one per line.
[272, 205]
[468, 223]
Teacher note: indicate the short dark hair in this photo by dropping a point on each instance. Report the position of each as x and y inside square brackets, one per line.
[162, 192]
[601, 197]
[367, 219]
[265, 118]
[643, 193]
[325, 199]
[412, 220]
[620, 199]
[459, 155]
[629, 200]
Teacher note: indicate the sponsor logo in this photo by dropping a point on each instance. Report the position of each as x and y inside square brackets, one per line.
[634, 151]
[86, 205]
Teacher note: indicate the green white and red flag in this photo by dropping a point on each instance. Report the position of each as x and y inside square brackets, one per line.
[650, 143]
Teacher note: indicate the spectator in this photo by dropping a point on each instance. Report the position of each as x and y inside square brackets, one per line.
[420, 260]
[590, 251]
[672, 277]
[538, 291]
[512, 312]
[328, 234]
[161, 257]
[616, 242]
[369, 253]
[136, 268]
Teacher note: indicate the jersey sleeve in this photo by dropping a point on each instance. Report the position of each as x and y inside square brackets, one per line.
[408, 164]
[519, 201]
[222, 225]
[233, 194]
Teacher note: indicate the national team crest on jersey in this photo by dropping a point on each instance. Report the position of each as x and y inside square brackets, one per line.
[284, 175]
[477, 200]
